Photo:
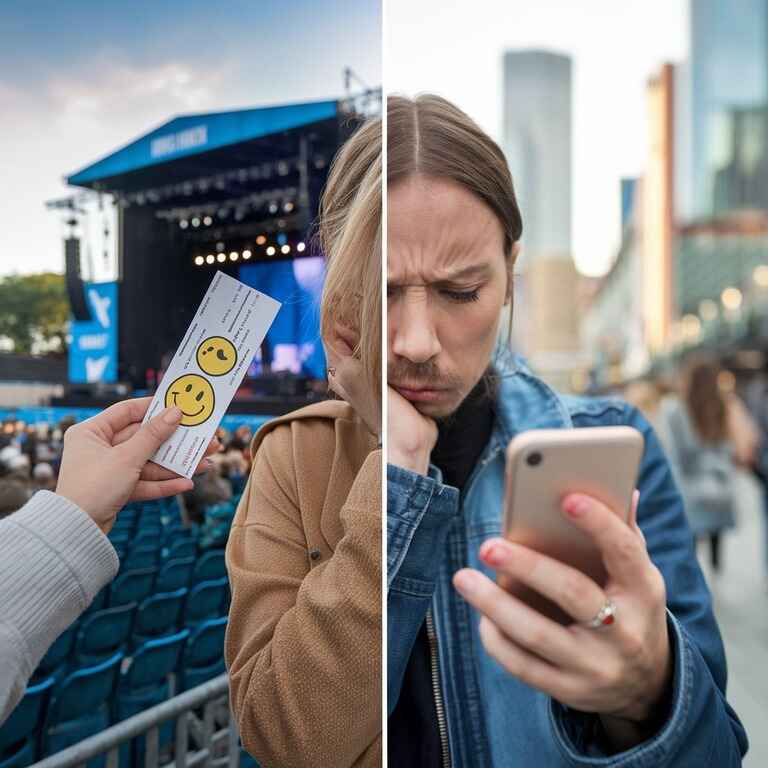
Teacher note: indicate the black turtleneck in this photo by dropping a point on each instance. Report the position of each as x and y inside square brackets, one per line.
[413, 735]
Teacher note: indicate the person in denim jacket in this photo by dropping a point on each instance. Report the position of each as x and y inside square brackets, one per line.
[476, 677]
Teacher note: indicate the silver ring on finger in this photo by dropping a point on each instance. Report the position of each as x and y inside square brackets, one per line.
[604, 617]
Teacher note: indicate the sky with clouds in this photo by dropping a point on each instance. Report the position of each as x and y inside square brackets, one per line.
[80, 78]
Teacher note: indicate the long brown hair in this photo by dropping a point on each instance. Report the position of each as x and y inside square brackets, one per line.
[704, 400]
[429, 135]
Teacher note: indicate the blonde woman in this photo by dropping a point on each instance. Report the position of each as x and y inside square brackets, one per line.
[303, 644]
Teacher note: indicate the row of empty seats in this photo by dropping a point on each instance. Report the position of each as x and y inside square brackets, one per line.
[58, 712]
[155, 631]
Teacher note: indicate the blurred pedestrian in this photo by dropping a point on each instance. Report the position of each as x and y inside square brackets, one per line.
[708, 434]
[756, 400]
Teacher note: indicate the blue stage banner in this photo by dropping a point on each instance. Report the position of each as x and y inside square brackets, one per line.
[93, 350]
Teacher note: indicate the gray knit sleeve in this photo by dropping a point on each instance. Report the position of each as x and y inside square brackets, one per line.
[53, 561]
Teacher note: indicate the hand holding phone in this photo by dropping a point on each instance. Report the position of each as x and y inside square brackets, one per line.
[544, 466]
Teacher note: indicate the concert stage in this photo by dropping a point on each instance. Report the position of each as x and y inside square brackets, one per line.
[234, 191]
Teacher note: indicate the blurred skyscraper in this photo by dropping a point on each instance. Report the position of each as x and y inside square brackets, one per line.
[728, 69]
[537, 143]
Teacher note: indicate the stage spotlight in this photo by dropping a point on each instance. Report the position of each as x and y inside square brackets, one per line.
[183, 223]
[207, 221]
[288, 207]
[286, 249]
[195, 222]
[219, 246]
[260, 240]
[246, 255]
[273, 207]
[221, 257]
[282, 238]
[300, 247]
[271, 250]
[234, 256]
[199, 260]
[209, 258]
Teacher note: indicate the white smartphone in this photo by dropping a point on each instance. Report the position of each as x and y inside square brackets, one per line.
[545, 465]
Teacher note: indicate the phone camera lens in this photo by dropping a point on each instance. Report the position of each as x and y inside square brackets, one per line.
[534, 459]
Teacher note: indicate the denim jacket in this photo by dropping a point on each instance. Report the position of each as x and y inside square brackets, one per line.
[488, 717]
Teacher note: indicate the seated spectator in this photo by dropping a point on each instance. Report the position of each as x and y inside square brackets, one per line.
[43, 477]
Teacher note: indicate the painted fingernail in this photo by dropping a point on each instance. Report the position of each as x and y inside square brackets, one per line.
[172, 415]
[576, 506]
[495, 554]
[465, 581]
[331, 371]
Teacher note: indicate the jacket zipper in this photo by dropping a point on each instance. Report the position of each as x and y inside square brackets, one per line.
[442, 725]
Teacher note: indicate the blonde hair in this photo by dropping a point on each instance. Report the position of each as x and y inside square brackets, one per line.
[350, 237]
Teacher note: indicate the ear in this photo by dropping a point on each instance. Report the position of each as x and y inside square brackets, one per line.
[511, 270]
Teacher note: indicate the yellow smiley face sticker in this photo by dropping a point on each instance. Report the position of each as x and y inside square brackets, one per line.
[216, 356]
[194, 395]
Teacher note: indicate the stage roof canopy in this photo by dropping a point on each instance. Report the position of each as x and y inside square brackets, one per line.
[153, 157]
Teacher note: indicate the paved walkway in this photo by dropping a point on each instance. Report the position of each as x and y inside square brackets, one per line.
[741, 605]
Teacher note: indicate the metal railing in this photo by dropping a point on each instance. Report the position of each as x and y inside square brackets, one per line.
[211, 741]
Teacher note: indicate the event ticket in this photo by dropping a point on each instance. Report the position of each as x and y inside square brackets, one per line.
[222, 339]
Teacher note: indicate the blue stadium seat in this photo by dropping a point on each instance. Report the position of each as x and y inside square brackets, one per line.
[80, 707]
[172, 509]
[205, 601]
[210, 566]
[100, 601]
[20, 733]
[120, 537]
[224, 511]
[238, 484]
[151, 537]
[246, 760]
[203, 654]
[145, 684]
[54, 662]
[141, 557]
[103, 634]
[132, 586]
[158, 615]
[174, 574]
[175, 532]
[186, 547]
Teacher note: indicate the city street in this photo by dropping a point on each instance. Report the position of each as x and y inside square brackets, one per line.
[741, 605]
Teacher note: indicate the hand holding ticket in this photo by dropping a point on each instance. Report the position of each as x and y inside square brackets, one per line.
[211, 361]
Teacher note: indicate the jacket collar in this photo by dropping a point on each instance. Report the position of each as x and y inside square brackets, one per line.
[523, 400]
